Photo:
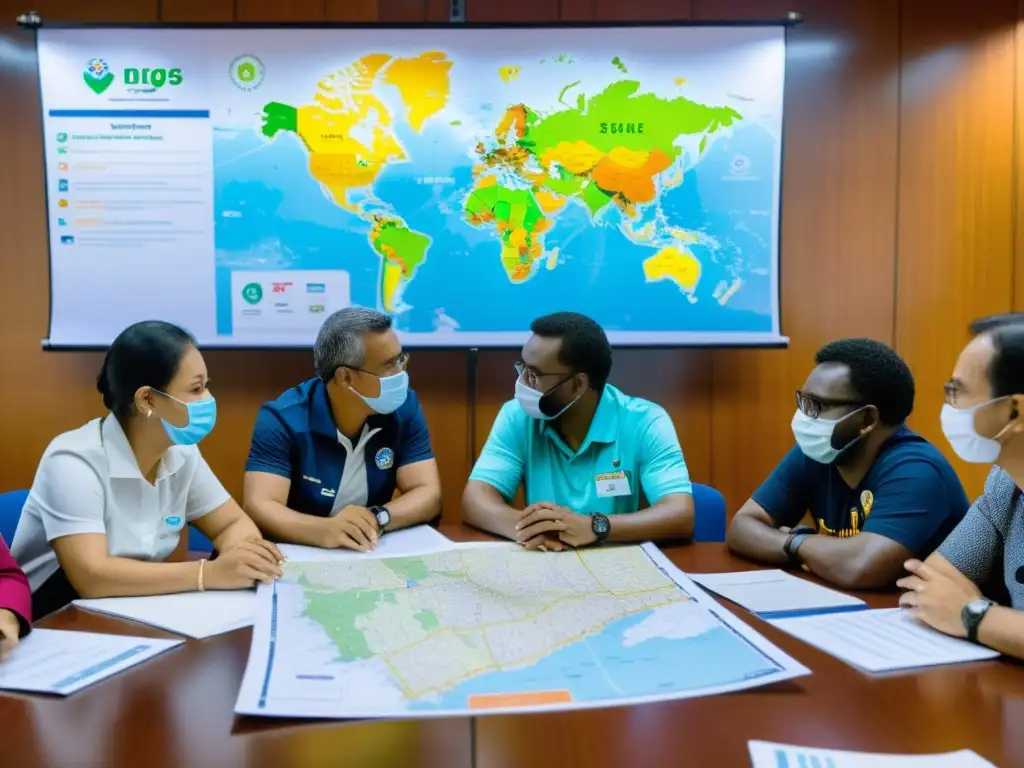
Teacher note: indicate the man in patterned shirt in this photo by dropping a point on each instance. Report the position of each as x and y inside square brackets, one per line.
[983, 419]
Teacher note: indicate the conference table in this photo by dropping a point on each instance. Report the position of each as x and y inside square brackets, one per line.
[177, 711]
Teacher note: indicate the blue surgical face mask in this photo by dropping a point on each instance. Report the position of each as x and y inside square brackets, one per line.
[202, 415]
[393, 391]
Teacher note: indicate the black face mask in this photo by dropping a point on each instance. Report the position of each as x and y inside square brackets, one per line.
[848, 437]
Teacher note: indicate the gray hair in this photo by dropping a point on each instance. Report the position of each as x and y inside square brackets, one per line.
[340, 344]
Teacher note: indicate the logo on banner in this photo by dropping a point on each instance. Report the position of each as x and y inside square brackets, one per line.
[97, 75]
[246, 72]
[253, 293]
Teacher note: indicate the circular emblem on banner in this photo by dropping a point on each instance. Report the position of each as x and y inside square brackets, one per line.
[247, 72]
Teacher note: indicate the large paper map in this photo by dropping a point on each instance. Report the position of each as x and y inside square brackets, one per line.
[488, 628]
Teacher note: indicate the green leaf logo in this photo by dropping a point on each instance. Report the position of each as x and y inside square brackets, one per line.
[247, 72]
[97, 75]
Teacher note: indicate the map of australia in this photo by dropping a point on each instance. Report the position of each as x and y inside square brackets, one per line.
[493, 627]
[466, 190]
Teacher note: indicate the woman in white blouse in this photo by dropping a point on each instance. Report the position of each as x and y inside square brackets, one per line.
[112, 498]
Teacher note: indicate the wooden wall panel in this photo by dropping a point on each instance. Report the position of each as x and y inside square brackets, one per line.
[280, 10]
[956, 197]
[642, 10]
[192, 11]
[1018, 162]
[518, 10]
[360, 10]
[838, 224]
[70, 10]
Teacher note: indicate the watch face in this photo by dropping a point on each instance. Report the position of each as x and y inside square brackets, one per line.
[601, 524]
[976, 607]
[383, 517]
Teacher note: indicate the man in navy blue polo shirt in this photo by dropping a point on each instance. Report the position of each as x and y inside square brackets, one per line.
[328, 454]
[878, 494]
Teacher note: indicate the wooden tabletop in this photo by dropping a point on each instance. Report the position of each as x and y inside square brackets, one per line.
[177, 711]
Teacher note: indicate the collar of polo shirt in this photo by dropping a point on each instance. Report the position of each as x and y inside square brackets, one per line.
[604, 428]
[321, 419]
[121, 459]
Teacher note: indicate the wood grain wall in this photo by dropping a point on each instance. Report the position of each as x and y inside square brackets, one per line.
[901, 202]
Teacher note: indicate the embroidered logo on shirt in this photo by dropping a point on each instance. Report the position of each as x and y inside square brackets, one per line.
[174, 522]
[328, 492]
[385, 458]
[867, 499]
[309, 479]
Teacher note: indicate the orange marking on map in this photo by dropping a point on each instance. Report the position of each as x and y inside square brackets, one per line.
[635, 184]
[514, 117]
[527, 699]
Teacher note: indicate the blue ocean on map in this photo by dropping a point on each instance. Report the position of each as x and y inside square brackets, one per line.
[273, 215]
[601, 667]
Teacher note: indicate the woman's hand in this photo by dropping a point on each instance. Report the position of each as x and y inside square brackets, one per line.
[243, 565]
[10, 629]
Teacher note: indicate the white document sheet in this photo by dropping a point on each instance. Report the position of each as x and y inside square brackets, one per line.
[881, 640]
[765, 754]
[192, 614]
[774, 593]
[408, 541]
[60, 662]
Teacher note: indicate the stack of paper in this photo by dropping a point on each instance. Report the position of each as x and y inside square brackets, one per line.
[776, 594]
[764, 754]
[882, 640]
[52, 661]
[192, 614]
[409, 541]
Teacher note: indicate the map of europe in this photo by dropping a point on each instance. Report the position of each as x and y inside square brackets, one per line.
[464, 193]
[492, 627]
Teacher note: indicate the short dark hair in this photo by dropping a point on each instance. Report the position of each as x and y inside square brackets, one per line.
[877, 374]
[145, 354]
[1006, 371]
[584, 348]
[990, 323]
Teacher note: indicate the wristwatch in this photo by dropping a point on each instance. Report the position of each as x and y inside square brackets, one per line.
[383, 517]
[971, 616]
[601, 526]
[796, 537]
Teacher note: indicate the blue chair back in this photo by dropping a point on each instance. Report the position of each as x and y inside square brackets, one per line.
[709, 513]
[197, 541]
[10, 511]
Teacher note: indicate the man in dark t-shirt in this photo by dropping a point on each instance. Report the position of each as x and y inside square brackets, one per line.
[877, 493]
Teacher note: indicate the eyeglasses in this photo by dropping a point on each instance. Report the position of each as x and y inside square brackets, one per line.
[952, 389]
[530, 377]
[392, 368]
[812, 406]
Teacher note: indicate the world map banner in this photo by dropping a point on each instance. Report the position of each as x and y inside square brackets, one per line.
[246, 182]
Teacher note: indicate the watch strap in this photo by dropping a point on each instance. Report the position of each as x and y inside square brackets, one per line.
[972, 619]
[793, 542]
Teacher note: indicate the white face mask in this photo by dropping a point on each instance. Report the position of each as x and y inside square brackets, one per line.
[529, 400]
[958, 427]
[814, 436]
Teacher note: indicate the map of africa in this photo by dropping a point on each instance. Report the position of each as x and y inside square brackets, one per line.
[491, 627]
[465, 189]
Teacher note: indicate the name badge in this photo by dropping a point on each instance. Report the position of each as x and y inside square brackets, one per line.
[612, 484]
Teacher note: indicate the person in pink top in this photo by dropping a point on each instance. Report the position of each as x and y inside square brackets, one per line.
[15, 602]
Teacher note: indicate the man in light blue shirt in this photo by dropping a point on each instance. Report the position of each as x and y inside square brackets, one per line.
[583, 451]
